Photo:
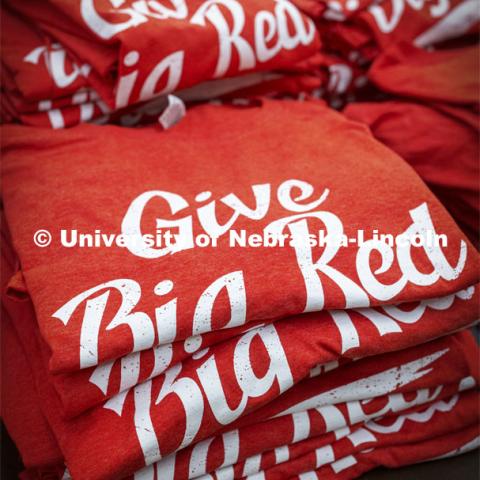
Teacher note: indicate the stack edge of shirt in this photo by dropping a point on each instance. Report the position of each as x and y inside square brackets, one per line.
[233, 362]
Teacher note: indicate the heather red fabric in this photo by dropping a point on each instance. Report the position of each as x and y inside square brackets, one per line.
[20, 411]
[397, 456]
[83, 462]
[74, 73]
[423, 424]
[41, 81]
[424, 25]
[147, 60]
[307, 362]
[357, 32]
[86, 106]
[109, 47]
[448, 76]
[303, 455]
[454, 358]
[79, 391]
[188, 463]
[27, 54]
[441, 145]
[328, 337]
[294, 424]
[335, 11]
[53, 23]
[82, 390]
[250, 283]
[61, 95]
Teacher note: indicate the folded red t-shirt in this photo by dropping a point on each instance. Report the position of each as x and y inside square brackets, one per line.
[156, 47]
[95, 304]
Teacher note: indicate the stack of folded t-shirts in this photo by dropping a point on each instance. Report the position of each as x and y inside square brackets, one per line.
[96, 60]
[68, 62]
[360, 37]
[222, 353]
